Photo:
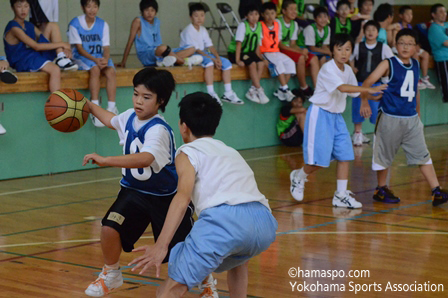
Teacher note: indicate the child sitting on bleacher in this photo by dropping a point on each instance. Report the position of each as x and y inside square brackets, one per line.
[145, 32]
[6, 77]
[196, 35]
[291, 122]
[341, 23]
[244, 50]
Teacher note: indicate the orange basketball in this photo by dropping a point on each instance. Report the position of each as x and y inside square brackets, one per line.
[66, 110]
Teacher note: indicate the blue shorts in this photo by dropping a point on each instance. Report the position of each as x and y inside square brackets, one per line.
[224, 237]
[87, 64]
[325, 138]
[33, 60]
[149, 58]
[356, 108]
[207, 62]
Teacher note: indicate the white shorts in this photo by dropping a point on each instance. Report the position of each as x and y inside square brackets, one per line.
[283, 64]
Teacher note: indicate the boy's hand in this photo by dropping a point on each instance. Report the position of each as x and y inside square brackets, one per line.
[121, 64]
[378, 89]
[152, 257]
[240, 63]
[365, 110]
[3, 65]
[102, 63]
[95, 158]
[217, 62]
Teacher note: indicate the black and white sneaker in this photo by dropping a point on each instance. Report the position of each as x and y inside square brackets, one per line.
[66, 64]
[8, 77]
[345, 200]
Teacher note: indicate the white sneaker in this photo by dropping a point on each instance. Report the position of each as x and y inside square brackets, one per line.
[66, 64]
[231, 97]
[345, 200]
[252, 95]
[262, 96]
[2, 130]
[216, 97]
[108, 280]
[113, 110]
[193, 60]
[208, 288]
[365, 139]
[284, 95]
[167, 61]
[297, 185]
[95, 121]
[421, 85]
[357, 139]
[427, 83]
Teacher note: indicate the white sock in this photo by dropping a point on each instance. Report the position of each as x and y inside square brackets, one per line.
[284, 88]
[210, 89]
[95, 101]
[111, 104]
[302, 174]
[342, 185]
[115, 266]
[227, 87]
[61, 55]
[304, 88]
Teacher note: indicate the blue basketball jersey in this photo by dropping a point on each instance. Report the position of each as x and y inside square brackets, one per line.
[92, 39]
[19, 51]
[149, 35]
[144, 179]
[399, 99]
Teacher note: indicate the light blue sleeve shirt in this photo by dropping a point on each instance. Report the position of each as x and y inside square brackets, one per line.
[437, 35]
[2, 58]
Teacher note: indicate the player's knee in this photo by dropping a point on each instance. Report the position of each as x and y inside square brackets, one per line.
[95, 71]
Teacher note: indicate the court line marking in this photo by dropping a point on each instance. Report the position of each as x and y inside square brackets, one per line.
[370, 233]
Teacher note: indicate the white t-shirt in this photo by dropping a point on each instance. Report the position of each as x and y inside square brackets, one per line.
[222, 175]
[157, 138]
[51, 9]
[241, 32]
[330, 77]
[310, 36]
[385, 53]
[192, 37]
[73, 34]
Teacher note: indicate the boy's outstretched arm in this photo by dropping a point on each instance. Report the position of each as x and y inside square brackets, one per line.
[135, 26]
[21, 35]
[103, 115]
[130, 161]
[154, 255]
[380, 71]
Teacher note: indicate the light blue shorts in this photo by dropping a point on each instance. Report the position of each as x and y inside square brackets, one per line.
[224, 237]
[207, 62]
[356, 108]
[87, 64]
[326, 138]
[149, 58]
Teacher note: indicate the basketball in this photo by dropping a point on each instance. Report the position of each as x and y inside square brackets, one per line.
[66, 110]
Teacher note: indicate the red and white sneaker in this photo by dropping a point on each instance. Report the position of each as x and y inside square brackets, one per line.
[208, 288]
[108, 280]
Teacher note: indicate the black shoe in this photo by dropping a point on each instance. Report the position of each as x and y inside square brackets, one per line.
[8, 77]
[308, 92]
[439, 196]
[385, 195]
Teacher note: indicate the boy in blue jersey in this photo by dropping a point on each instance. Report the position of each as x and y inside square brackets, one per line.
[398, 123]
[145, 32]
[29, 49]
[90, 41]
[326, 137]
[149, 174]
[234, 219]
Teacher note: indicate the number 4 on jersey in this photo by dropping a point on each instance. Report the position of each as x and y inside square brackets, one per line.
[407, 89]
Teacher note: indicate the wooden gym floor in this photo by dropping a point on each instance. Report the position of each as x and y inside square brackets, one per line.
[50, 226]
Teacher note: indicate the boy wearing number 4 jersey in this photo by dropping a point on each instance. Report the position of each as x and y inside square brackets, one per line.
[398, 123]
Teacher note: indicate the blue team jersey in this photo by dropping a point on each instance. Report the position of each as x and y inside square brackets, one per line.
[150, 36]
[145, 180]
[92, 39]
[399, 99]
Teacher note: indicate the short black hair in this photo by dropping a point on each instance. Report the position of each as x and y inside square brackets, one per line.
[361, 2]
[196, 7]
[372, 23]
[85, 2]
[340, 39]
[14, 2]
[403, 9]
[250, 8]
[342, 2]
[287, 3]
[319, 10]
[201, 113]
[435, 7]
[144, 4]
[383, 12]
[158, 81]
[298, 93]
[268, 6]
[407, 32]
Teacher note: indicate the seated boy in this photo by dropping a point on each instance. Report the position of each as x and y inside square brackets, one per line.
[196, 35]
[282, 65]
[384, 15]
[289, 47]
[145, 32]
[244, 50]
[89, 37]
[6, 76]
[234, 219]
[291, 122]
[398, 123]
[341, 23]
[358, 21]
[317, 36]
[29, 49]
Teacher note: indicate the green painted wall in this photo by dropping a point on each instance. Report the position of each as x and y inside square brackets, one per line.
[31, 147]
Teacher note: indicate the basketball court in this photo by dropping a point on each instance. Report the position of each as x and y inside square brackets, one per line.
[50, 227]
